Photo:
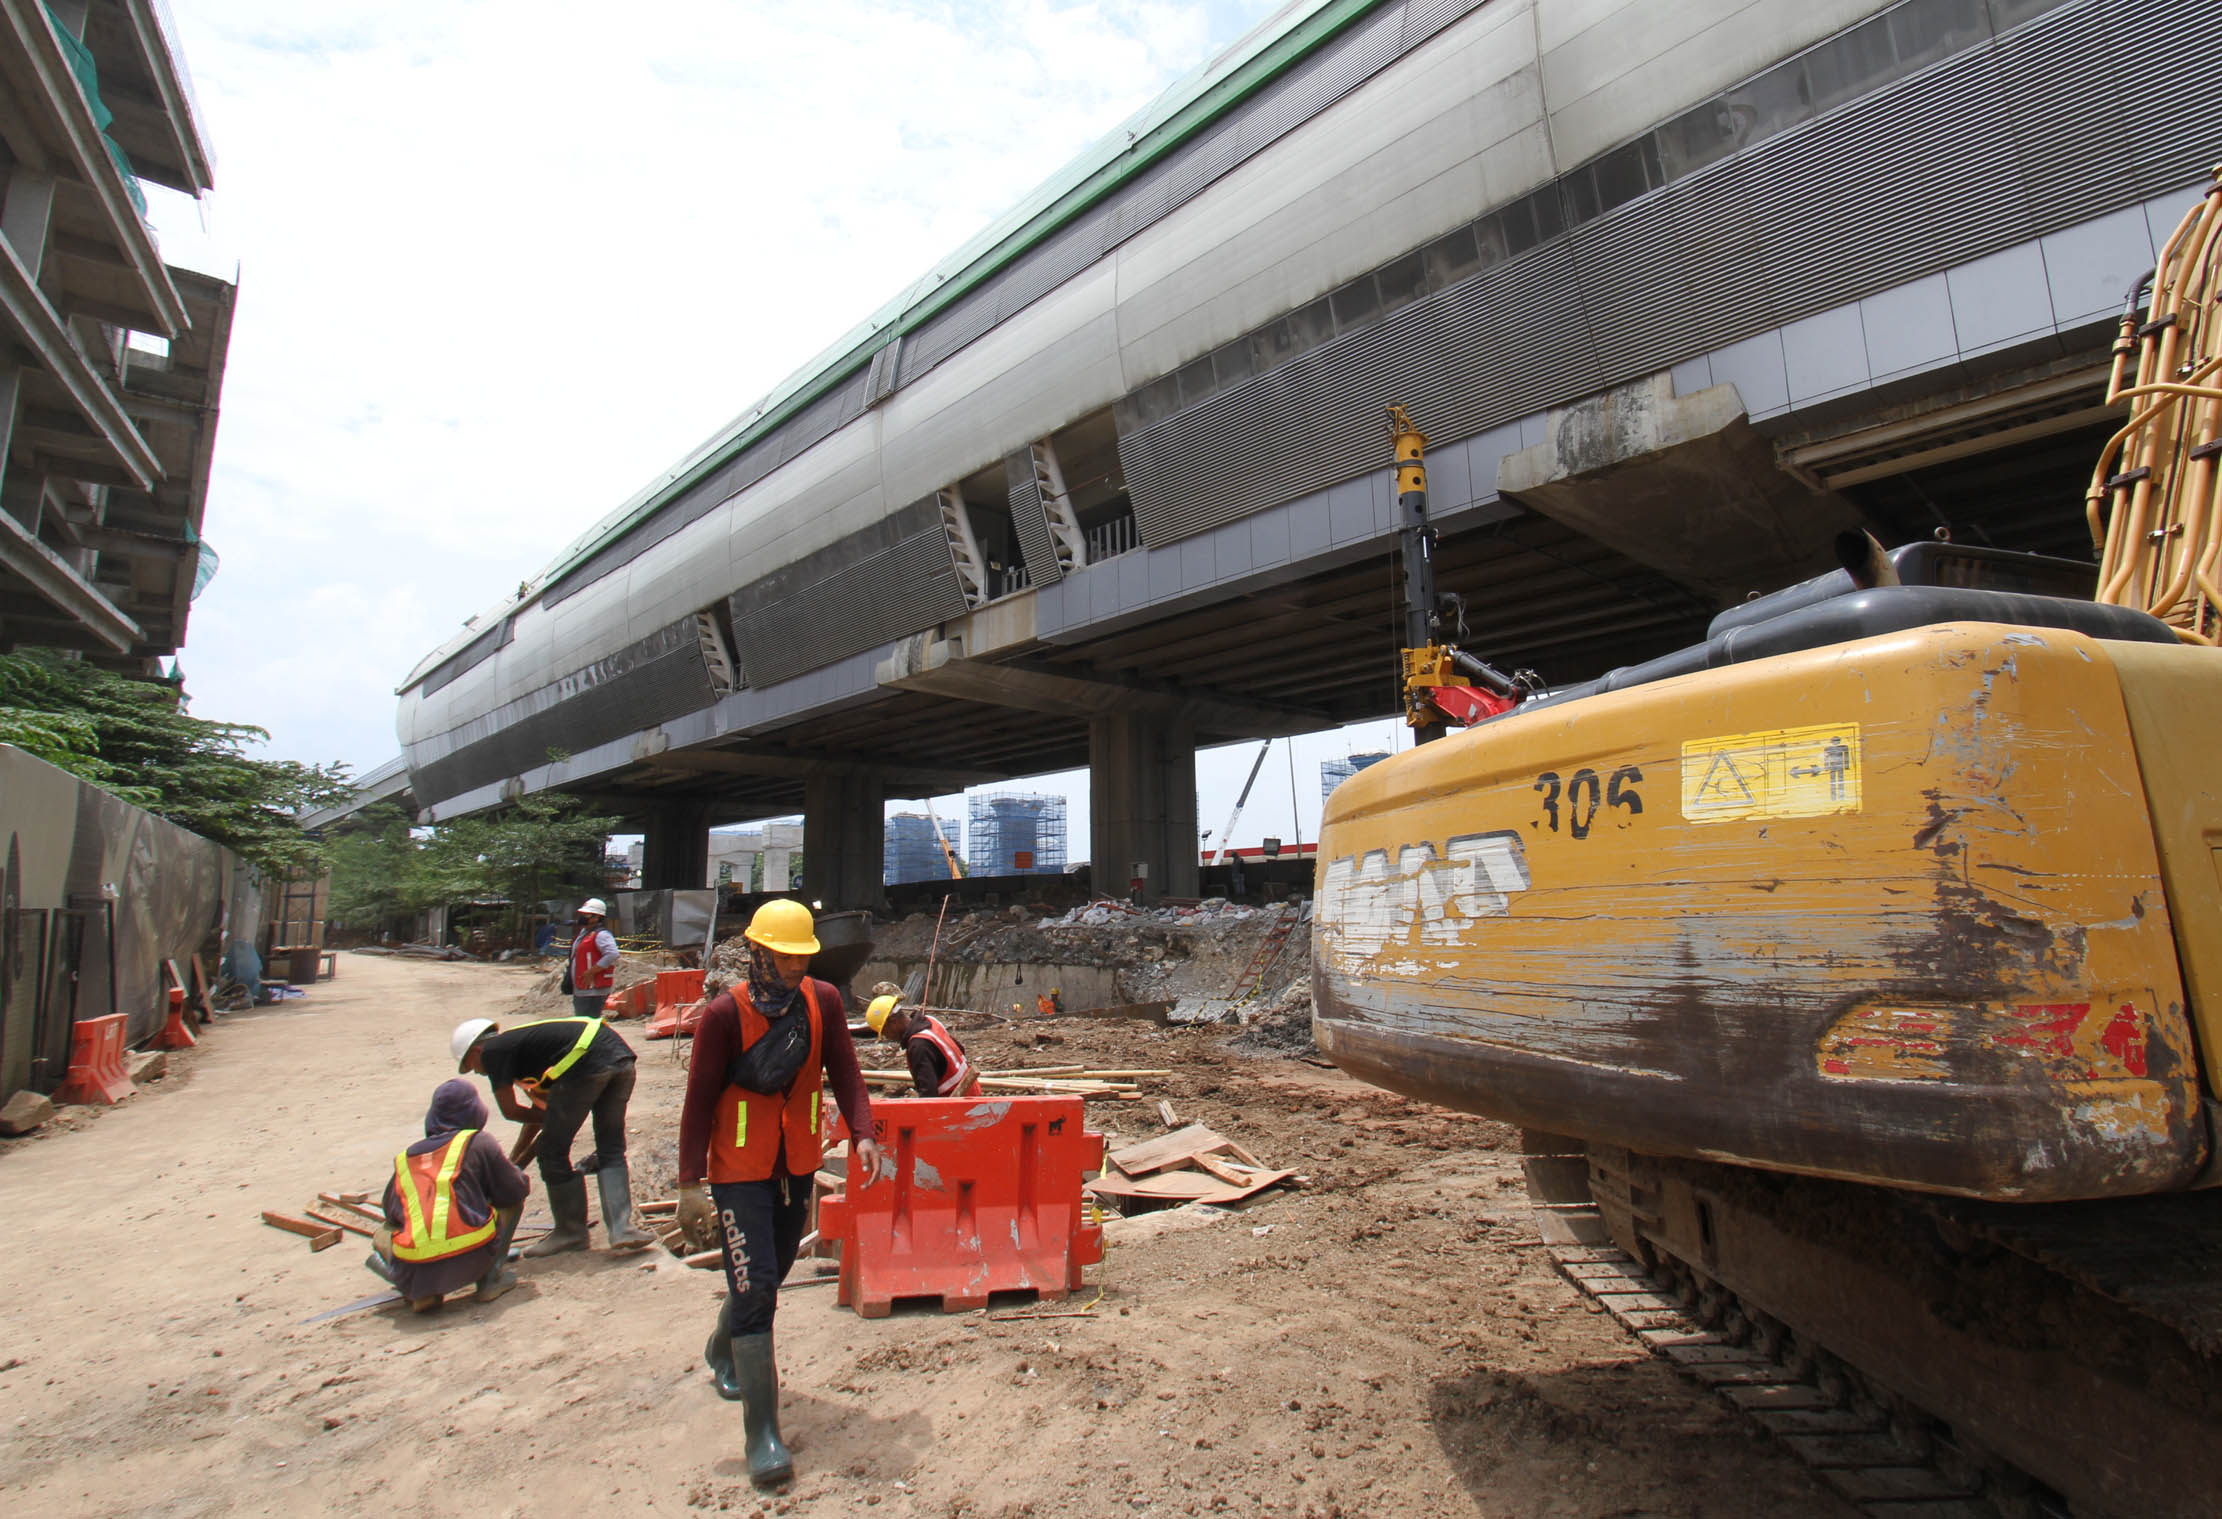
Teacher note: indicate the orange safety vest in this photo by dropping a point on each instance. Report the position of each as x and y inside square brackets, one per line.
[586, 976]
[753, 1129]
[961, 1080]
[426, 1182]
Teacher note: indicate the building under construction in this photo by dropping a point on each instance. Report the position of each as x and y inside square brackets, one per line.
[1334, 772]
[912, 852]
[1017, 833]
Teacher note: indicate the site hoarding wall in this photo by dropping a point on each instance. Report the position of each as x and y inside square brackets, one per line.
[95, 894]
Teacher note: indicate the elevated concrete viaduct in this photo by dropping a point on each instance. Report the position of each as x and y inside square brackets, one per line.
[1679, 288]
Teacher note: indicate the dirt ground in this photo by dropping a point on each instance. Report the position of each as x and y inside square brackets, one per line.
[1385, 1340]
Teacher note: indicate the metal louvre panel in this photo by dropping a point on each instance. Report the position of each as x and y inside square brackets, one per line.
[1481, 352]
[657, 679]
[2072, 146]
[1424, 18]
[2177, 60]
[1714, 280]
[820, 420]
[872, 587]
[1030, 520]
[949, 331]
[1852, 202]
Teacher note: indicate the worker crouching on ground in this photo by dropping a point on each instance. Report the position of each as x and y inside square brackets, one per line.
[751, 1126]
[939, 1066]
[571, 1067]
[451, 1207]
[593, 960]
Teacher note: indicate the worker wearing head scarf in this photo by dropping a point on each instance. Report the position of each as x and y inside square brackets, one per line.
[451, 1206]
[765, 1052]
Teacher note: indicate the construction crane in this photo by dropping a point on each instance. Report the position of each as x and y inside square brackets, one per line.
[1859, 970]
[1226, 834]
[948, 855]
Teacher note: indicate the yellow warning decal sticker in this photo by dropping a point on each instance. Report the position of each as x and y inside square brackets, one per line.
[1778, 773]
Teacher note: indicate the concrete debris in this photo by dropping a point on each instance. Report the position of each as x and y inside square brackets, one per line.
[24, 1112]
[144, 1066]
[1107, 910]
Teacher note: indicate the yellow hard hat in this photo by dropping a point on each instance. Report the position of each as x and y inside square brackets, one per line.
[784, 927]
[877, 1014]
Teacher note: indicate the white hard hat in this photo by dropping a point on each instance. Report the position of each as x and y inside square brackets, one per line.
[468, 1033]
[595, 906]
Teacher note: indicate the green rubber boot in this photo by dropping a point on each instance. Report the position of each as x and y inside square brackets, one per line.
[758, 1375]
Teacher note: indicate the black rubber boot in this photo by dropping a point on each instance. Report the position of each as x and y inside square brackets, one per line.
[617, 1207]
[567, 1201]
[499, 1278]
[753, 1367]
[717, 1354]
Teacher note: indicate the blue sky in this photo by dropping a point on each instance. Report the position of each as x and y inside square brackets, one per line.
[501, 263]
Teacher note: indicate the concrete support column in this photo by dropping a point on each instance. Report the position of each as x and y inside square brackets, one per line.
[675, 849]
[844, 828]
[1142, 804]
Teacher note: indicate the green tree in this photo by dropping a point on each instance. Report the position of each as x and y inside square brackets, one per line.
[135, 739]
[374, 869]
[538, 847]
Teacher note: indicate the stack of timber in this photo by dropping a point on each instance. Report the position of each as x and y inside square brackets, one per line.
[1050, 1080]
[1191, 1165]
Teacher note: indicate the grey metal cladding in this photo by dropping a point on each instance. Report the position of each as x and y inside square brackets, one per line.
[648, 682]
[820, 420]
[1470, 357]
[1030, 520]
[1302, 93]
[1741, 215]
[885, 581]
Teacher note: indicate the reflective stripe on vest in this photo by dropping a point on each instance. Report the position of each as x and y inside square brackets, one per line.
[586, 975]
[957, 1079]
[430, 1177]
[786, 1125]
[588, 1028]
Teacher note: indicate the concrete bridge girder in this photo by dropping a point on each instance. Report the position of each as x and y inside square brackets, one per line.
[1683, 484]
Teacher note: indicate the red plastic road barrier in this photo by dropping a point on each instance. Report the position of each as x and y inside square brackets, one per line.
[176, 1035]
[96, 1071]
[629, 1001]
[975, 1196]
[676, 988]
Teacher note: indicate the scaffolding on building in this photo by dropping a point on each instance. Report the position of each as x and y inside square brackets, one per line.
[1016, 833]
[911, 852]
[1334, 772]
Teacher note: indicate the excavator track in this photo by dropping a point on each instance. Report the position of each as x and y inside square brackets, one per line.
[2049, 1360]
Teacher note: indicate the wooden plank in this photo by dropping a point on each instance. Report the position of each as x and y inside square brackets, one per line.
[1236, 1175]
[1166, 1116]
[339, 1223]
[320, 1236]
[352, 1202]
[1167, 1150]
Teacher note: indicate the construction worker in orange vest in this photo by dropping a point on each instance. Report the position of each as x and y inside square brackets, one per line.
[451, 1207]
[939, 1066]
[749, 1148]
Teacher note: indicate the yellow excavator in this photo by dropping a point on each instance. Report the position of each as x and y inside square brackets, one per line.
[1861, 968]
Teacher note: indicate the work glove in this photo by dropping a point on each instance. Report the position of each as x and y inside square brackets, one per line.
[698, 1216]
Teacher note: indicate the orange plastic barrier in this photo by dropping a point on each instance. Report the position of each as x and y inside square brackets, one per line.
[96, 1072]
[675, 988]
[974, 1196]
[679, 1018]
[678, 1004]
[176, 1034]
[629, 1001]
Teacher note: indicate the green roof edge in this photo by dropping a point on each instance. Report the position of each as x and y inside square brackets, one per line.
[1182, 111]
